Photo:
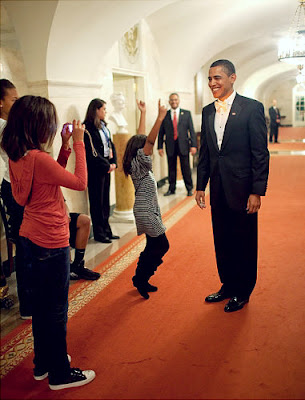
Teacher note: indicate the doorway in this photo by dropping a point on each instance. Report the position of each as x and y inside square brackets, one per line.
[299, 105]
[132, 88]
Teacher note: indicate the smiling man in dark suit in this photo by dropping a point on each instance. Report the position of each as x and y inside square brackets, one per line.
[234, 157]
[180, 139]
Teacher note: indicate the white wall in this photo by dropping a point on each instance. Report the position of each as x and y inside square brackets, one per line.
[71, 98]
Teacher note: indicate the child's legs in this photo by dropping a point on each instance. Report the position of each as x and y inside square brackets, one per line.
[51, 268]
[151, 256]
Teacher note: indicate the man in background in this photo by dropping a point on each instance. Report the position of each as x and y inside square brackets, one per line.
[178, 133]
[275, 120]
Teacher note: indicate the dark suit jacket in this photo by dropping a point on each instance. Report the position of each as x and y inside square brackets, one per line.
[242, 163]
[99, 164]
[274, 115]
[186, 133]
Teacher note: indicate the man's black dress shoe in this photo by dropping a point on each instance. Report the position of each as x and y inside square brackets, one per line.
[114, 237]
[189, 193]
[218, 296]
[235, 303]
[102, 240]
[169, 193]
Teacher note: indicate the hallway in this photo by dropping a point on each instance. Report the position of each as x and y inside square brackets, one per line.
[174, 346]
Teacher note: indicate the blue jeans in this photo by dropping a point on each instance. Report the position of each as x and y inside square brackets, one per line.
[50, 286]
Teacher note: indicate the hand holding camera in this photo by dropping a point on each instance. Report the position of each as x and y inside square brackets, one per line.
[78, 131]
[66, 133]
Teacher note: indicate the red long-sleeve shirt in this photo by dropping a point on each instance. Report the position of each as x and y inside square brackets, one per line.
[36, 179]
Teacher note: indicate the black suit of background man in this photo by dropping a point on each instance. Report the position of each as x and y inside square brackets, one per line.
[237, 166]
[275, 120]
[185, 143]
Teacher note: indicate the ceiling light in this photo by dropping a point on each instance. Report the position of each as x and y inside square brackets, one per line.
[292, 47]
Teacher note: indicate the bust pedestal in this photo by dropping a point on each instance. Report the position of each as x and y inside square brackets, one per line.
[124, 188]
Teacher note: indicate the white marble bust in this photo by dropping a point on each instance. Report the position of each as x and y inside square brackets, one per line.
[118, 120]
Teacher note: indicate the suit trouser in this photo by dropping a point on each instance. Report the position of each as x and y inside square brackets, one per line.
[185, 169]
[98, 190]
[235, 240]
[274, 130]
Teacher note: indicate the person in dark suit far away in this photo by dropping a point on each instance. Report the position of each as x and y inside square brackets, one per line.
[234, 157]
[180, 139]
[275, 120]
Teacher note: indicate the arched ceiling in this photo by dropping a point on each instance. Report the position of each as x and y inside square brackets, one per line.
[192, 33]
[189, 35]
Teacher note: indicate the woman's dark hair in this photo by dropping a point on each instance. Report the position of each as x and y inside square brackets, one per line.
[135, 143]
[91, 116]
[4, 85]
[226, 65]
[31, 124]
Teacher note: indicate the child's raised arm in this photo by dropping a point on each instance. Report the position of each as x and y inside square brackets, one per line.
[151, 138]
[142, 108]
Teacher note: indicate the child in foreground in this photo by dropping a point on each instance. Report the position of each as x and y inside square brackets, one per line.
[36, 180]
[137, 163]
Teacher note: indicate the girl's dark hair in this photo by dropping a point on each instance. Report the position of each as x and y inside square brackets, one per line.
[32, 124]
[135, 143]
[91, 116]
[4, 85]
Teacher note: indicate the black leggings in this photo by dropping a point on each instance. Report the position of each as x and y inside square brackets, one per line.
[151, 256]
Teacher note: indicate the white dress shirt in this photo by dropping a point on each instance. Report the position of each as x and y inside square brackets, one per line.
[105, 136]
[221, 119]
[177, 113]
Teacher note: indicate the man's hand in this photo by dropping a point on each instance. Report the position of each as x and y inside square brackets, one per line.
[161, 152]
[193, 150]
[254, 203]
[200, 199]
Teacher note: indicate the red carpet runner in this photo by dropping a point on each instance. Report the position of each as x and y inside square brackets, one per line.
[174, 346]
